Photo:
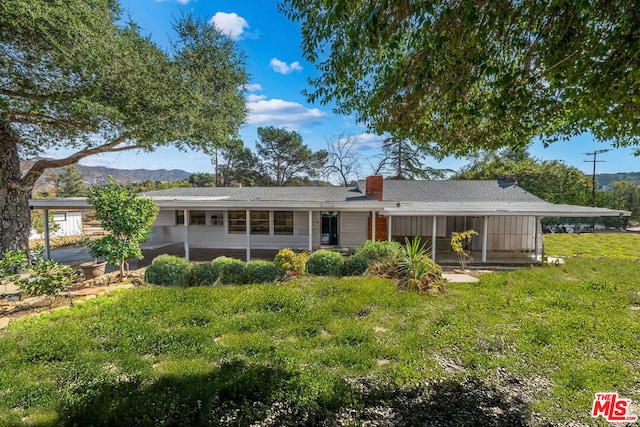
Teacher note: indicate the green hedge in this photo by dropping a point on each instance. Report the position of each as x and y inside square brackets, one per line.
[205, 274]
[354, 265]
[168, 270]
[325, 263]
[262, 272]
[231, 270]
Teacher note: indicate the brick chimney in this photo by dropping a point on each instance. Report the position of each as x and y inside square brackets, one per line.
[374, 185]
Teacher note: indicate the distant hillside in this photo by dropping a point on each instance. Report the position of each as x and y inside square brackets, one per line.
[100, 175]
[608, 178]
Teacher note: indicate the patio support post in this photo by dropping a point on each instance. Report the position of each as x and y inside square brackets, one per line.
[536, 245]
[485, 233]
[248, 229]
[388, 228]
[186, 234]
[373, 226]
[433, 239]
[45, 231]
[310, 231]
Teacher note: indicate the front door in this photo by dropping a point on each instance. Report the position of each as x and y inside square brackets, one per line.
[330, 228]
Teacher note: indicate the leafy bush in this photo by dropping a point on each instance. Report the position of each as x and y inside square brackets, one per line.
[47, 278]
[288, 260]
[379, 251]
[354, 265]
[205, 274]
[262, 272]
[325, 263]
[12, 263]
[231, 270]
[168, 270]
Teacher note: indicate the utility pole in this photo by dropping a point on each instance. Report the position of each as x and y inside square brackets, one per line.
[593, 177]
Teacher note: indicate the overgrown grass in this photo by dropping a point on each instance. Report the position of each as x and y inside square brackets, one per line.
[525, 347]
[618, 245]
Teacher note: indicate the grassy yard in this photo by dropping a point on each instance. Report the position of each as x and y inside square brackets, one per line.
[619, 245]
[529, 347]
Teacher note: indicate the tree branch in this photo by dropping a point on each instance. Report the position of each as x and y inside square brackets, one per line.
[39, 167]
[28, 118]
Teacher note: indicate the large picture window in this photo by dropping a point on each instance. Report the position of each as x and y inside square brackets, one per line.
[283, 222]
[259, 222]
[197, 218]
[237, 222]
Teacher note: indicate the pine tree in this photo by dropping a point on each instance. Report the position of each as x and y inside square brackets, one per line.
[70, 183]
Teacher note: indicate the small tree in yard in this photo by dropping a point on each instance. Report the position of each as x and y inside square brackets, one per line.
[126, 217]
[460, 243]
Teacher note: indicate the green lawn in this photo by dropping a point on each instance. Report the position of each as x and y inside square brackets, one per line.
[619, 245]
[529, 347]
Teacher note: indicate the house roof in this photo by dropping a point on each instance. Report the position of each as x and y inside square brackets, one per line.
[400, 197]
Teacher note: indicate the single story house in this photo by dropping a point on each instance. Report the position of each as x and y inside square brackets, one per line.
[506, 217]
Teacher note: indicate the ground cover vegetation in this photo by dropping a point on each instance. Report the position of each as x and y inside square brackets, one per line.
[529, 347]
[595, 245]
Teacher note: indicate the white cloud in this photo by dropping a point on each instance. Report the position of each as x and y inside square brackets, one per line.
[278, 112]
[255, 98]
[229, 23]
[284, 68]
[253, 87]
[368, 141]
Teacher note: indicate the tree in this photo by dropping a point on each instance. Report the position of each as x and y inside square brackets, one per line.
[202, 179]
[403, 160]
[552, 181]
[126, 217]
[343, 159]
[73, 78]
[70, 183]
[470, 75]
[621, 195]
[285, 157]
[240, 166]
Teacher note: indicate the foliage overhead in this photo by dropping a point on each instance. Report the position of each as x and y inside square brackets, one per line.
[469, 75]
[126, 217]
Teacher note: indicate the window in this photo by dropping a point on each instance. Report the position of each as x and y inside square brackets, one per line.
[60, 216]
[216, 219]
[179, 217]
[197, 218]
[259, 222]
[237, 222]
[283, 222]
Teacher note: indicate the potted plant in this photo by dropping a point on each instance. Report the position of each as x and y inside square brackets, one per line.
[97, 267]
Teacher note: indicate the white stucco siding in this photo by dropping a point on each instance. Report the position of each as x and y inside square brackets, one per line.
[352, 229]
[69, 223]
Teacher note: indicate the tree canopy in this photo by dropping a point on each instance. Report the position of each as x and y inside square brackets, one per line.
[477, 75]
[552, 181]
[73, 77]
[403, 160]
[284, 156]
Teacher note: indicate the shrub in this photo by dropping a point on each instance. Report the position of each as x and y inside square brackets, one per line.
[354, 265]
[47, 278]
[231, 270]
[325, 263]
[262, 272]
[205, 274]
[379, 251]
[288, 260]
[168, 270]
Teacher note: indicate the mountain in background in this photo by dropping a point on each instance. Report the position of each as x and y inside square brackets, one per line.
[100, 175]
[608, 178]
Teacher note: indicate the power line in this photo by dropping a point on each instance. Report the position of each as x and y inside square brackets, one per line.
[593, 177]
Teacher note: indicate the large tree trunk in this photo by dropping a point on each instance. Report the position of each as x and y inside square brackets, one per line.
[15, 221]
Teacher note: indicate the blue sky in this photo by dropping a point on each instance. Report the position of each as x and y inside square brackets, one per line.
[278, 74]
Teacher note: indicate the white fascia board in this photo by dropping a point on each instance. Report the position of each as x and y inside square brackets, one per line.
[209, 203]
[548, 210]
[61, 204]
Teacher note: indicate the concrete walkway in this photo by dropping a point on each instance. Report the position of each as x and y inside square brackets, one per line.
[460, 278]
